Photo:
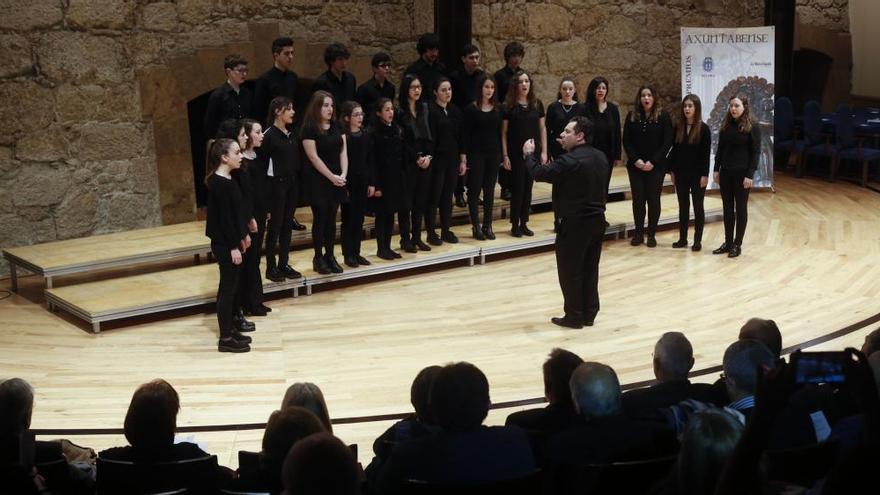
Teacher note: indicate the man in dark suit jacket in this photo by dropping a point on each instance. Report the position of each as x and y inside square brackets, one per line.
[560, 412]
[673, 359]
[579, 192]
[602, 433]
[464, 452]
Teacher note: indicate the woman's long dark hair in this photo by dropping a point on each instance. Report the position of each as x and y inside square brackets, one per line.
[592, 102]
[564, 80]
[481, 81]
[277, 103]
[216, 149]
[345, 112]
[510, 98]
[403, 97]
[312, 119]
[681, 133]
[639, 111]
[744, 124]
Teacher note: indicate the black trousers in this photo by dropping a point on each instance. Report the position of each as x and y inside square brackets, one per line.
[520, 192]
[444, 176]
[324, 226]
[384, 229]
[282, 202]
[687, 188]
[646, 188]
[504, 178]
[251, 281]
[481, 177]
[353, 216]
[417, 184]
[227, 293]
[735, 201]
[578, 249]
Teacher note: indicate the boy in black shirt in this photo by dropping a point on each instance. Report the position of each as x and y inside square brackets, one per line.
[231, 100]
[340, 83]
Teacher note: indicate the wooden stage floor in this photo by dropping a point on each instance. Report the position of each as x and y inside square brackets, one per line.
[811, 262]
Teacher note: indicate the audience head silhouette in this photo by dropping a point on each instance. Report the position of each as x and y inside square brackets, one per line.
[707, 443]
[557, 373]
[673, 357]
[742, 360]
[309, 396]
[152, 416]
[595, 390]
[765, 332]
[420, 393]
[16, 406]
[284, 429]
[872, 343]
[460, 397]
[320, 464]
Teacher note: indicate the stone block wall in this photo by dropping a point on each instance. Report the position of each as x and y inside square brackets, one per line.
[93, 97]
[832, 15]
[629, 43]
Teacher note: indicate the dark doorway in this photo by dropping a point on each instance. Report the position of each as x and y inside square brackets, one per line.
[452, 23]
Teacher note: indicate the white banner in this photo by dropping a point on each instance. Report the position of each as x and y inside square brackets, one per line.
[719, 63]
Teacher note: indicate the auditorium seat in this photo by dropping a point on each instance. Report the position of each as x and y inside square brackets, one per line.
[528, 485]
[633, 477]
[801, 465]
[191, 476]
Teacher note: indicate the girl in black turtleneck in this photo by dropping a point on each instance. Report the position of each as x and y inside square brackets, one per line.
[359, 147]
[386, 182]
[647, 137]
[606, 122]
[739, 146]
[689, 167]
[446, 166]
[418, 144]
[481, 151]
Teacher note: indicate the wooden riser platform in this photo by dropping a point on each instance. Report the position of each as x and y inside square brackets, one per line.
[141, 246]
[150, 293]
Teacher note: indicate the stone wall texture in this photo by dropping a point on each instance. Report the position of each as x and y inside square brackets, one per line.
[828, 14]
[90, 87]
[629, 43]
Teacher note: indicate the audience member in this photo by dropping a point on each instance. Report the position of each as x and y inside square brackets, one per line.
[321, 464]
[416, 425]
[285, 428]
[872, 343]
[743, 361]
[765, 332]
[560, 410]
[309, 396]
[673, 360]
[463, 451]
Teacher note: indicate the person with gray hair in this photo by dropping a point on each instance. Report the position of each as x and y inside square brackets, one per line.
[602, 433]
[742, 363]
[673, 360]
[16, 406]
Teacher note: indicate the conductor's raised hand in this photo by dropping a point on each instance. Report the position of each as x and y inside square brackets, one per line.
[528, 146]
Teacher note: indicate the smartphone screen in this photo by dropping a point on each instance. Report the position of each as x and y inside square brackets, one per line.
[819, 367]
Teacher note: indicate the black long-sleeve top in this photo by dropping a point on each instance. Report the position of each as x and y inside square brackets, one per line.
[359, 147]
[341, 88]
[225, 225]
[256, 170]
[280, 153]
[558, 116]
[387, 173]
[226, 103]
[648, 140]
[274, 82]
[691, 160]
[606, 130]
[464, 87]
[738, 151]
[579, 178]
[369, 93]
[446, 128]
[428, 73]
[242, 178]
[481, 131]
[417, 137]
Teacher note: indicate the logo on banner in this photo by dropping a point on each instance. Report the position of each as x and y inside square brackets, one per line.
[708, 64]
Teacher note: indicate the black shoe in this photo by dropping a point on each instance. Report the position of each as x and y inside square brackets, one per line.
[408, 246]
[681, 243]
[244, 339]
[478, 233]
[505, 194]
[516, 231]
[724, 248]
[265, 308]
[734, 251]
[332, 263]
[232, 345]
[636, 240]
[350, 261]
[434, 240]
[257, 311]
[289, 272]
[696, 247]
[652, 242]
[395, 254]
[487, 231]
[242, 325]
[319, 264]
[421, 245]
[526, 231]
[362, 261]
[385, 255]
[449, 237]
[274, 275]
[567, 322]
[295, 225]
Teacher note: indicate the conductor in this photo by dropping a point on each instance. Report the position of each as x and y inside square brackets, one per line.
[579, 179]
